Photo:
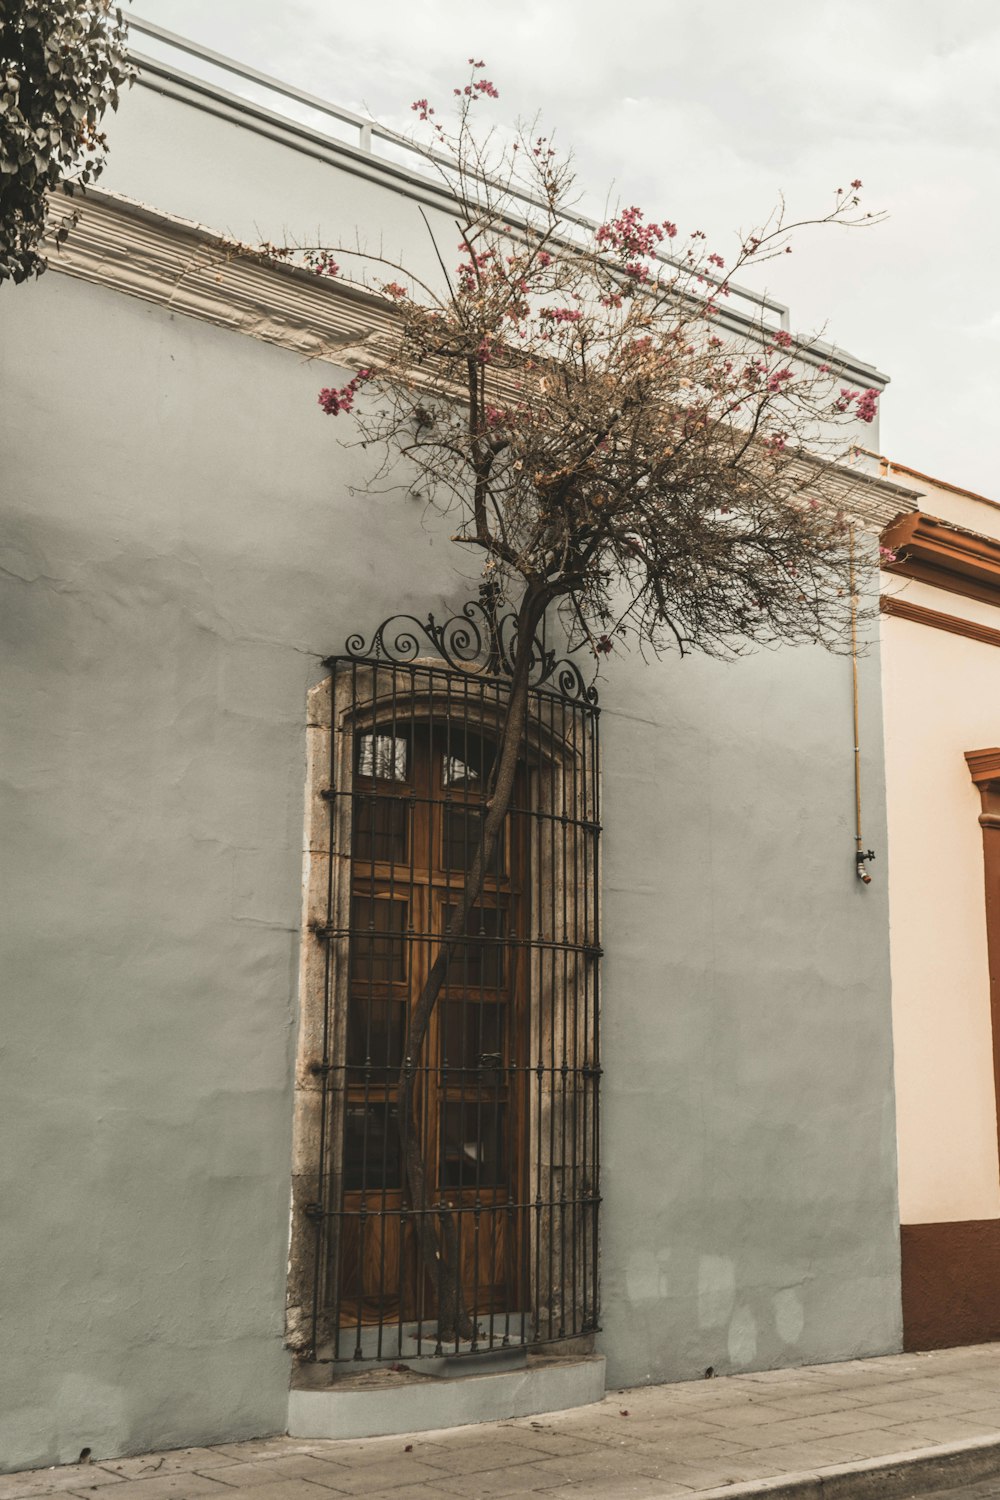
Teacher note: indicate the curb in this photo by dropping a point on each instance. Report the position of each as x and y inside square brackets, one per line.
[890, 1478]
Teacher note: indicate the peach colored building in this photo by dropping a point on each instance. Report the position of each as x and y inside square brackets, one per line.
[941, 695]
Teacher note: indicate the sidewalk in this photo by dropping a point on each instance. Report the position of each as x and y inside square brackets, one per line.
[845, 1425]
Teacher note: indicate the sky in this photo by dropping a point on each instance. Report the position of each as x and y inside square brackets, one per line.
[703, 113]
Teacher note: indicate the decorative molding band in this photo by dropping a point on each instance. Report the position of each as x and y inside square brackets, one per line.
[946, 556]
[182, 265]
[175, 263]
[984, 765]
[989, 635]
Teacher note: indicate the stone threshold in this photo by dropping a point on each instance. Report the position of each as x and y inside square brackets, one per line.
[381, 1402]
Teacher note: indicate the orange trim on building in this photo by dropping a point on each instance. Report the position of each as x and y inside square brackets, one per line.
[946, 556]
[984, 768]
[902, 609]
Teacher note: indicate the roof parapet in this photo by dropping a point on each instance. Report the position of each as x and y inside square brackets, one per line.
[747, 310]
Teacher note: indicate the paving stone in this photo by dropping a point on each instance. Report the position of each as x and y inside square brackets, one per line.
[624, 1489]
[860, 1419]
[817, 1403]
[164, 1487]
[363, 1478]
[885, 1393]
[491, 1483]
[474, 1457]
[834, 1423]
[289, 1466]
[929, 1385]
[798, 1457]
[853, 1447]
[885, 1413]
[750, 1415]
[693, 1451]
[665, 1429]
[359, 1453]
[743, 1469]
[794, 1375]
[54, 1481]
[977, 1398]
[558, 1444]
[405, 1492]
[289, 1489]
[623, 1463]
[781, 1435]
[263, 1448]
[932, 1431]
[653, 1441]
[434, 1491]
[174, 1461]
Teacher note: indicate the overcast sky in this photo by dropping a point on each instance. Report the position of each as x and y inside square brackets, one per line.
[703, 113]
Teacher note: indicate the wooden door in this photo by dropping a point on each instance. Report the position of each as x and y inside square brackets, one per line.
[419, 796]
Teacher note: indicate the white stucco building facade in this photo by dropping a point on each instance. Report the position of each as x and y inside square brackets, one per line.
[186, 544]
[941, 691]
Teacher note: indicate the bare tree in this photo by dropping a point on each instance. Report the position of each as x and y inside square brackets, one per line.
[612, 439]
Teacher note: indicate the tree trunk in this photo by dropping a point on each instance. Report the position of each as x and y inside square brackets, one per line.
[439, 1241]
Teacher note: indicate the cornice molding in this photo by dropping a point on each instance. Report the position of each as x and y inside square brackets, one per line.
[902, 609]
[984, 765]
[175, 263]
[946, 556]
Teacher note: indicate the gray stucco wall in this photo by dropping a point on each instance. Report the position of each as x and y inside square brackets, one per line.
[749, 1149]
[183, 540]
[176, 556]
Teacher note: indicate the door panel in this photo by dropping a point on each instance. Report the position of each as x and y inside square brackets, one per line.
[418, 807]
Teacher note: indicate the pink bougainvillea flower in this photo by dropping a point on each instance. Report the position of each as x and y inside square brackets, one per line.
[334, 401]
[867, 406]
[630, 235]
[560, 314]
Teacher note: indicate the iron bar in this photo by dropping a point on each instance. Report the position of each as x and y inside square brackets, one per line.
[505, 1086]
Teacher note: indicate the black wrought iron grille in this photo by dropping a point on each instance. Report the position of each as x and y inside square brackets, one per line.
[506, 1085]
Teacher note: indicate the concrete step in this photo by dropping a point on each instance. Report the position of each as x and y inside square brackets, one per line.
[385, 1401]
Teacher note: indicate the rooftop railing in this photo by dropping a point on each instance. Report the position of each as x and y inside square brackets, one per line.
[339, 128]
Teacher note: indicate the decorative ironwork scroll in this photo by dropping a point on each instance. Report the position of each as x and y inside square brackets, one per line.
[480, 639]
